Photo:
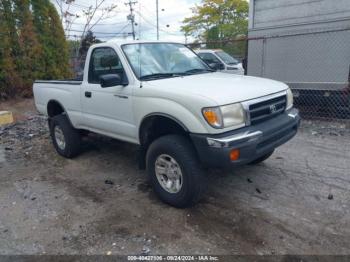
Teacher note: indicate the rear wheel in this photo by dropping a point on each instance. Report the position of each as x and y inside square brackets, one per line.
[261, 159]
[65, 138]
[175, 172]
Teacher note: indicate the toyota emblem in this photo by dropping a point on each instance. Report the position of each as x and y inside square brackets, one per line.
[273, 109]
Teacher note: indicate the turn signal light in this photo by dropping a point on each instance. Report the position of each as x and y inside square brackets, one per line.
[234, 154]
[211, 117]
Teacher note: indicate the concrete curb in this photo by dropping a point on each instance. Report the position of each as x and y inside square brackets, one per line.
[6, 117]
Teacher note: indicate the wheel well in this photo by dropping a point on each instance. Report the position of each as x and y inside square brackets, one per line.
[153, 127]
[54, 108]
[156, 126]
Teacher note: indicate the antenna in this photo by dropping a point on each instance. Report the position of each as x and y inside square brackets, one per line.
[157, 10]
[131, 16]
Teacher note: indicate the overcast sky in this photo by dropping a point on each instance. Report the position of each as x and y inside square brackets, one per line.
[174, 12]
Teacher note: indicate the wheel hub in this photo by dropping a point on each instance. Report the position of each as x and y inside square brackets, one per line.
[168, 173]
[59, 137]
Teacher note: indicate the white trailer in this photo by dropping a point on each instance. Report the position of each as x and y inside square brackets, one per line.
[304, 43]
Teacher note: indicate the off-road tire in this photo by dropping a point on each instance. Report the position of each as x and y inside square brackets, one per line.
[194, 177]
[71, 136]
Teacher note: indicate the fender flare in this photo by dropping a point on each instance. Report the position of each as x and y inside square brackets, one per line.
[177, 121]
[167, 116]
[60, 104]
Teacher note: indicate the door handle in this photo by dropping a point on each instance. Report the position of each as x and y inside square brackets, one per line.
[88, 94]
[120, 96]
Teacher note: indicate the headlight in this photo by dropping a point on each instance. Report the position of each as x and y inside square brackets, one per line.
[289, 99]
[224, 116]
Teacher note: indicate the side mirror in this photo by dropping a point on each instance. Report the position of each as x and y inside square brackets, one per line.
[217, 66]
[111, 80]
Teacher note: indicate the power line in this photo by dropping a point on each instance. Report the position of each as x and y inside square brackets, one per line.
[150, 23]
[157, 18]
[99, 24]
[131, 16]
[78, 5]
[122, 29]
[150, 14]
[82, 7]
[139, 22]
[105, 33]
[108, 36]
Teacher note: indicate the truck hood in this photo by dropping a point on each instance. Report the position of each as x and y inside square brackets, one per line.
[218, 87]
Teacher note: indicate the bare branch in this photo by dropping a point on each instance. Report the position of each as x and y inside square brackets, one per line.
[93, 14]
[66, 16]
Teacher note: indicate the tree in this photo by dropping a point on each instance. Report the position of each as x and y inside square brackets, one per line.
[217, 20]
[54, 58]
[9, 77]
[59, 44]
[28, 66]
[87, 41]
[32, 45]
[85, 44]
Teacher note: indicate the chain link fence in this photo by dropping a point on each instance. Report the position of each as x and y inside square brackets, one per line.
[316, 65]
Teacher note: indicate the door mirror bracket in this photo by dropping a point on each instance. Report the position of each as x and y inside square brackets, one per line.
[110, 80]
[216, 66]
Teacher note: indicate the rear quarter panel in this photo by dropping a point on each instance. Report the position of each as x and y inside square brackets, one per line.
[67, 95]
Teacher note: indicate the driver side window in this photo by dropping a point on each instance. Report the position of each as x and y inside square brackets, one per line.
[209, 58]
[104, 61]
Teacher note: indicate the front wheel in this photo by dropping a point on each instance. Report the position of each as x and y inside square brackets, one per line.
[174, 171]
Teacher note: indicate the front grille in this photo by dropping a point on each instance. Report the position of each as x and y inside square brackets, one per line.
[264, 110]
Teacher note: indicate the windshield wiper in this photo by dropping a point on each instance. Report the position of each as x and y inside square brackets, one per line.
[196, 71]
[167, 75]
[157, 76]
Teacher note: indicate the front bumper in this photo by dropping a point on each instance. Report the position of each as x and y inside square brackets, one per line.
[252, 141]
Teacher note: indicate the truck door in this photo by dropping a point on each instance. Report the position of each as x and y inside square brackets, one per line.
[107, 110]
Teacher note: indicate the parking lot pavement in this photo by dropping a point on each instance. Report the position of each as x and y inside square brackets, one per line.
[297, 202]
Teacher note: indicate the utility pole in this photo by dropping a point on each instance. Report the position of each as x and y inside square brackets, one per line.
[157, 8]
[131, 16]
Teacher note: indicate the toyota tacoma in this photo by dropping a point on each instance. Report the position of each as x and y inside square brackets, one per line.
[184, 116]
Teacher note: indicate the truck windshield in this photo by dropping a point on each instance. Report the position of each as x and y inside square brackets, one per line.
[152, 61]
[229, 60]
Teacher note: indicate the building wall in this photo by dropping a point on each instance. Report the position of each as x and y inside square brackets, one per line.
[302, 42]
[280, 13]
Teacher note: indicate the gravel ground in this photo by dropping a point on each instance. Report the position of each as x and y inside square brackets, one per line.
[297, 202]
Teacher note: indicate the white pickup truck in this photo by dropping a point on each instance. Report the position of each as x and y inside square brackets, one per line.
[184, 116]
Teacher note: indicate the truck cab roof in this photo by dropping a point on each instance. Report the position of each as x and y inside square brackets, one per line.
[207, 50]
[124, 42]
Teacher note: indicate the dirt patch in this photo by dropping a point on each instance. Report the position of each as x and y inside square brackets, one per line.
[20, 108]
